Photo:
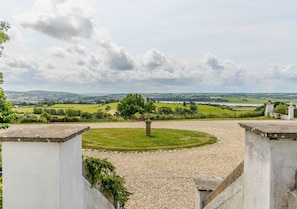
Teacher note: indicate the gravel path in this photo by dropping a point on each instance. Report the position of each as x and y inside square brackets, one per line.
[164, 180]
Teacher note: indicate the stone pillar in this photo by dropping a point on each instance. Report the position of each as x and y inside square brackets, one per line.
[42, 167]
[270, 164]
[269, 109]
[291, 111]
[148, 123]
[204, 186]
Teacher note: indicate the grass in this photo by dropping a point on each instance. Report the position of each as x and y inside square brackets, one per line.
[128, 140]
[92, 108]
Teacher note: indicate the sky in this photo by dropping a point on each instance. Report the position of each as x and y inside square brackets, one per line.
[150, 46]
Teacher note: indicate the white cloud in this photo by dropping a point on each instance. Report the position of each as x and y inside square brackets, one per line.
[213, 61]
[87, 59]
[153, 59]
[117, 58]
[69, 20]
[289, 72]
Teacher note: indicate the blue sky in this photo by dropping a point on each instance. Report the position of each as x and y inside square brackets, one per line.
[92, 46]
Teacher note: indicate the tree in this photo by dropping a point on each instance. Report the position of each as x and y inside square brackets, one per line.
[149, 107]
[37, 110]
[70, 113]
[130, 105]
[4, 26]
[193, 108]
[6, 113]
[165, 110]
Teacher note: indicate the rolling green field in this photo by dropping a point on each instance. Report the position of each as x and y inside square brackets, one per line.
[92, 108]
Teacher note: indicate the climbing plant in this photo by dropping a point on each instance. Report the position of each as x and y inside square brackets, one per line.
[102, 173]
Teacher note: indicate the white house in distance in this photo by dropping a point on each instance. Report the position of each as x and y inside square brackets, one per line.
[42, 169]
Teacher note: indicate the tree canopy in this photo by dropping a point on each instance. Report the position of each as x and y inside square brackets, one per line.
[4, 26]
[134, 103]
[6, 113]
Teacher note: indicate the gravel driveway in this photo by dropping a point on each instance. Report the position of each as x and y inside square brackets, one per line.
[162, 180]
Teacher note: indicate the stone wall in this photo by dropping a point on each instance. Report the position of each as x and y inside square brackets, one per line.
[269, 179]
[95, 199]
[42, 169]
[231, 197]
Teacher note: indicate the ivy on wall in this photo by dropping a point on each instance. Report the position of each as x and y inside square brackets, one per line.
[102, 173]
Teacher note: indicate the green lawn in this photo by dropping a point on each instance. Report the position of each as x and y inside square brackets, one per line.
[136, 140]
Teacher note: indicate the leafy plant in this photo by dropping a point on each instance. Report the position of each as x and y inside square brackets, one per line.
[281, 109]
[102, 173]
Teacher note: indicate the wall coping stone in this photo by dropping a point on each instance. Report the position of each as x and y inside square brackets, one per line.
[230, 179]
[41, 133]
[272, 131]
[207, 184]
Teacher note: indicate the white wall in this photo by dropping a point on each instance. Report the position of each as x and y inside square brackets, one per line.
[283, 167]
[72, 189]
[292, 201]
[269, 171]
[42, 175]
[94, 199]
[230, 198]
[30, 175]
[256, 172]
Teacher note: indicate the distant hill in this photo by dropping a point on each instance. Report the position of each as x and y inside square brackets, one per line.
[65, 97]
[38, 96]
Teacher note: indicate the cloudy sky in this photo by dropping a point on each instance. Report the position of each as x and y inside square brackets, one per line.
[112, 46]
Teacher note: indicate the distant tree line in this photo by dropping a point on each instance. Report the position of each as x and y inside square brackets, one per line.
[131, 107]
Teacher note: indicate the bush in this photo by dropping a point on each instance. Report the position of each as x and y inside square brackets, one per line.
[281, 109]
[29, 118]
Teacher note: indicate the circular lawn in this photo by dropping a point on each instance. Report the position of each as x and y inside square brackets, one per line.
[135, 139]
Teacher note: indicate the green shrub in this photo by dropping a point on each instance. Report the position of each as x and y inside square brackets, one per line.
[102, 173]
[281, 109]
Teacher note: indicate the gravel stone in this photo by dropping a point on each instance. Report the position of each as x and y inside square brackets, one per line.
[161, 180]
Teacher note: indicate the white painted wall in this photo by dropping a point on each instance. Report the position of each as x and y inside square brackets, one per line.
[269, 109]
[283, 167]
[72, 193]
[230, 198]
[42, 175]
[291, 111]
[256, 172]
[94, 199]
[31, 175]
[292, 201]
[270, 166]
[269, 171]
[200, 196]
